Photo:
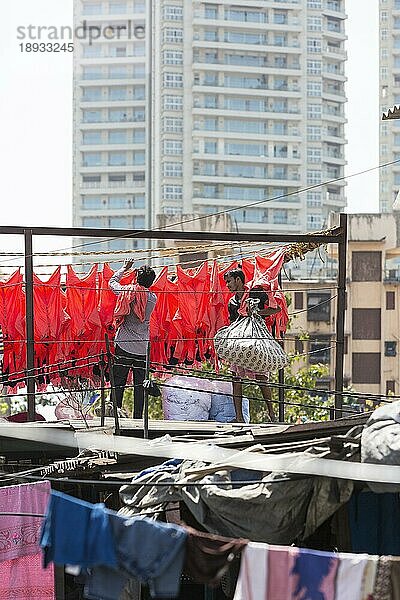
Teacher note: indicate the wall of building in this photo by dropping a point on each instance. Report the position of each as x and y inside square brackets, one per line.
[372, 321]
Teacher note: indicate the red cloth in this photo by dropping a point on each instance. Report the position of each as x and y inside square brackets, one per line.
[12, 321]
[163, 334]
[189, 311]
[134, 299]
[193, 298]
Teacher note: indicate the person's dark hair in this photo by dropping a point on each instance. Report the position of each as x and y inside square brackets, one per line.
[235, 274]
[145, 276]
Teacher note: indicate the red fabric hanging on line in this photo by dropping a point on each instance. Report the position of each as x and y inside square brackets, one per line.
[12, 321]
[70, 326]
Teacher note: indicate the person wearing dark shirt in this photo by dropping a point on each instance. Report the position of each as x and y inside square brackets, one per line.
[236, 283]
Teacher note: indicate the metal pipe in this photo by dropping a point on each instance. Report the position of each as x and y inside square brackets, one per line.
[30, 339]
[214, 236]
[340, 316]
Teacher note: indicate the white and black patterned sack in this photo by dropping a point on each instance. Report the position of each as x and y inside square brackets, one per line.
[247, 343]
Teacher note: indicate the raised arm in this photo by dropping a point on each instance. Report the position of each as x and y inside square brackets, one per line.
[114, 283]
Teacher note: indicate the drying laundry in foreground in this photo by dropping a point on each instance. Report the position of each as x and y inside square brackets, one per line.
[111, 550]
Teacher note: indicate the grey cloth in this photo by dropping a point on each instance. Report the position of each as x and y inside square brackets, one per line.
[380, 442]
[132, 335]
[275, 513]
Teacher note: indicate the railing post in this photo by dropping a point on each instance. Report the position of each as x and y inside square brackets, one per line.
[113, 397]
[340, 316]
[102, 390]
[30, 332]
[146, 397]
[281, 377]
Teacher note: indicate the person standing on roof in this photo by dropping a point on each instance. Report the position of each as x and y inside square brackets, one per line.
[132, 319]
[236, 283]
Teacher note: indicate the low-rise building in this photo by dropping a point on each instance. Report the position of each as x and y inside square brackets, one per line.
[372, 323]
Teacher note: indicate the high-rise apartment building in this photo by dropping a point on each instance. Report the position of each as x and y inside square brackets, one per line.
[247, 104]
[389, 80]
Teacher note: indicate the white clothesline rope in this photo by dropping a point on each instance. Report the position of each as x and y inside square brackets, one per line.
[208, 452]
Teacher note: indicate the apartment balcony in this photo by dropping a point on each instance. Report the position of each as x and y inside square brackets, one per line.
[110, 168]
[108, 59]
[391, 275]
[335, 160]
[335, 53]
[107, 16]
[108, 185]
[288, 24]
[335, 8]
[263, 45]
[335, 200]
[263, 67]
[99, 124]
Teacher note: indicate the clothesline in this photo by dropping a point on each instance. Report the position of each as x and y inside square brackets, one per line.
[72, 324]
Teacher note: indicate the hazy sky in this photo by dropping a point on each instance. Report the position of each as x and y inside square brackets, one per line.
[36, 115]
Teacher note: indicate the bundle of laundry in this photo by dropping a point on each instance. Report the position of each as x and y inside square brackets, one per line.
[199, 399]
[111, 550]
[247, 343]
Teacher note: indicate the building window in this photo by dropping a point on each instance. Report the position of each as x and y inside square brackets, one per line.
[314, 67]
[314, 3]
[173, 102]
[318, 306]
[298, 346]
[92, 159]
[314, 155]
[366, 266]
[173, 36]
[366, 367]
[390, 387]
[390, 300]
[172, 169]
[172, 192]
[314, 88]
[92, 8]
[173, 147]
[298, 300]
[117, 159]
[319, 350]
[92, 137]
[91, 179]
[314, 222]
[173, 13]
[92, 222]
[313, 177]
[173, 80]
[390, 348]
[314, 23]
[173, 124]
[173, 57]
[313, 133]
[118, 137]
[92, 202]
[366, 323]
[314, 199]
[314, 111]
[314, 45]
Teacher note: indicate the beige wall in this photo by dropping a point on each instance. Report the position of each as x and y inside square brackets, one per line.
[367, 233]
